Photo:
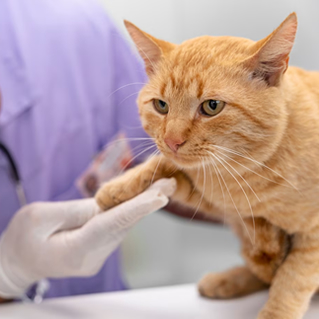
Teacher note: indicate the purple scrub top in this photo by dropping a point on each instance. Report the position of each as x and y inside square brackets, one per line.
[62, 64]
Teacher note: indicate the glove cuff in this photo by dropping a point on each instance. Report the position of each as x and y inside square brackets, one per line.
[8, 289]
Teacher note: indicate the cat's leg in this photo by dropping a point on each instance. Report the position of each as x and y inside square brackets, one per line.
[137, 179]
[264, 249]
[296, 279]
[263, 256]
[236, 282]
[132, 182]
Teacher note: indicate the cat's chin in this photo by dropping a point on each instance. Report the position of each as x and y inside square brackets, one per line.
[184, 161]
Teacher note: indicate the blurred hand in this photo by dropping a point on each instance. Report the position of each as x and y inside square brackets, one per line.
[69, 238]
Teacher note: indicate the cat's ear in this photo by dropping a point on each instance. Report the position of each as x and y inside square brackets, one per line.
[270, 56]
[150, 49]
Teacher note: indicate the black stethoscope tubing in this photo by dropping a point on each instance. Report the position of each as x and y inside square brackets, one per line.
[13, 166]
[15, 174]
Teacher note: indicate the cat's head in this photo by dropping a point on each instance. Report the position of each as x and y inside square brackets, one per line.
[211, 93]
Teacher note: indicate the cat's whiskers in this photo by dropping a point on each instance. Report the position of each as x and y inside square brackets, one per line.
[196, 182]
[211, 197]
[128, 97]
[231, 197]
[251, 169]
[217, 172]
[203, 192]
[144, 144]
[156, 168]
[137, 155]
[256, 162]
[174, 171]
[247, 198]
[126, 85]
[138, 169]
[131, 139]
[238, 175]
[147, 142]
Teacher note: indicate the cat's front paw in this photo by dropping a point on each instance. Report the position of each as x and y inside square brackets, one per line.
[111, 194]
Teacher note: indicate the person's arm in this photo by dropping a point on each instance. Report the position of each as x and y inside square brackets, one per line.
[65, 239]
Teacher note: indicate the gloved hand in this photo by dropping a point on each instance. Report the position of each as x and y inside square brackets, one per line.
[72, 238]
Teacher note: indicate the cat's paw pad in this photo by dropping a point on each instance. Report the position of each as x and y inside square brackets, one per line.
[218, 286]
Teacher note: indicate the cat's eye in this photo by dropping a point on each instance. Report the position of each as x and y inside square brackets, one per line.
[212, 107]
[160, 106]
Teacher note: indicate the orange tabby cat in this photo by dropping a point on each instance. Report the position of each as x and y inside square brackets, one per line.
[239, 131]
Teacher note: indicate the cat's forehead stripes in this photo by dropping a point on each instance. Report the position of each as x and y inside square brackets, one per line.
[200, 86]
[189, 64]
[178, 82]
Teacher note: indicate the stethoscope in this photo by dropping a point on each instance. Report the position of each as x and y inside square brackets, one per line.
[15, 175]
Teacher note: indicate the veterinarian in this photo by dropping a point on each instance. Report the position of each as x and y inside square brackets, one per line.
[68, 84]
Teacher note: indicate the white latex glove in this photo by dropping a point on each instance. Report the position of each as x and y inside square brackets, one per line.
[66, 239]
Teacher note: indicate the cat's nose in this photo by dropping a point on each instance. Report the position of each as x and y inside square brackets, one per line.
[174, 144]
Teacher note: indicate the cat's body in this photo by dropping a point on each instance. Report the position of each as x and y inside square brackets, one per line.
[254, 156]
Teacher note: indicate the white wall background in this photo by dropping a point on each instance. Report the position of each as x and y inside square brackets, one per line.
[178, 20]
[163, 249]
